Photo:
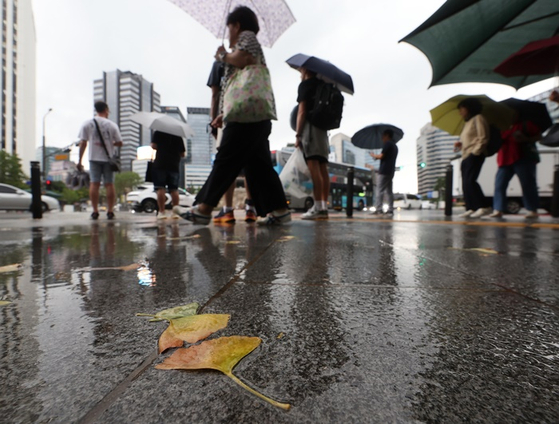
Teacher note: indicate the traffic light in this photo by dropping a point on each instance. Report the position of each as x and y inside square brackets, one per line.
[422, 165]
[48, 183]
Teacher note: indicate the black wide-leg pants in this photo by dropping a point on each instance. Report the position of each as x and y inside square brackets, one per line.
[245, 145]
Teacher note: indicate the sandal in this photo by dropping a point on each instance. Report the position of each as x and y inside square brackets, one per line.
[95, 216]
[110, 215]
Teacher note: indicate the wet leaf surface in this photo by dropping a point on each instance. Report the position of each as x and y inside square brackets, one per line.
[191, 329]
[219, 354]
[173, 313]
[10, 268]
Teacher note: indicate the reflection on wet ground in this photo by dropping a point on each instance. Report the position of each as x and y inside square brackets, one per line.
[360, 321]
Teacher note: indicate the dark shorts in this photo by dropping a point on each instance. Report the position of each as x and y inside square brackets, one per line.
[320, 159]
[163, 178]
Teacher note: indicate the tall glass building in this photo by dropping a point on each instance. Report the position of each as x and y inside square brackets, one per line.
[201, 147]
[435, 148]
[17, 126]
[127, 93]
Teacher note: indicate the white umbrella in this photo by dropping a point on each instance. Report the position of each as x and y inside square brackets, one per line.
[164, 123]
[274, 16]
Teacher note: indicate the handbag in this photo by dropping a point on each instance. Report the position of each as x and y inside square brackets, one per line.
[248, 96]
[114, 162]
[149, 178]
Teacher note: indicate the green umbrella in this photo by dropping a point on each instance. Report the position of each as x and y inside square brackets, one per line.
[446, 117]
[466, 39]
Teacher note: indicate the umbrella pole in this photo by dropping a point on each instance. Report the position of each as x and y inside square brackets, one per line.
[226, 12]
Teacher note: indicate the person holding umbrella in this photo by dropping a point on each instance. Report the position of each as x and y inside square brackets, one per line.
[386, 172]
[245, 137]
[314, 143]
[518, 156]
[473, 143]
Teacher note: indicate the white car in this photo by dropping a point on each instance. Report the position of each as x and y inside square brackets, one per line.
[407, 201]
[144, 199]
[15, 199]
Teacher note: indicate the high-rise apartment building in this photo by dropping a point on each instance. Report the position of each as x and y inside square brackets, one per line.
[127, 93]
[435, 148]
[343, 151]
[17, 126]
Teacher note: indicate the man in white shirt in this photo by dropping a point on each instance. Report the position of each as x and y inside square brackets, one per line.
[99, 166]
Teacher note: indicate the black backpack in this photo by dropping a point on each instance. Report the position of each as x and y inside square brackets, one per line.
[328, 106]
[495, 141]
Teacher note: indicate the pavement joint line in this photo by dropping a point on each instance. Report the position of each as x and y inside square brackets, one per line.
[502, 286]
[110, 398]
[237, 276]
[471, 223]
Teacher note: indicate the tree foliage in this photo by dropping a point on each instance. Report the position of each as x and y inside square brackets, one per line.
[126, 181]
[11, 171]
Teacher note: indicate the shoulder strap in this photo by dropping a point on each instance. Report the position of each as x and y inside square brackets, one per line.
[102, 139]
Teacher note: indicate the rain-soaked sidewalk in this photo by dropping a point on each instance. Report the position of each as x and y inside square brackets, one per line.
[419, 319]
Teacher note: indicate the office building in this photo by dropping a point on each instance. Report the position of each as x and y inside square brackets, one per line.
[17, 126]
[200, 149]
[342, 150]
[127, 93]
[435, 148]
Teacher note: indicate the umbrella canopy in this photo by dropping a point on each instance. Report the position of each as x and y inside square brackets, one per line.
[162, 122]
[531, 111]
[371, 137]
[446, 116]
[325, 70]
[274, 16]
[537, 58]
[551, 139]
[466, 39]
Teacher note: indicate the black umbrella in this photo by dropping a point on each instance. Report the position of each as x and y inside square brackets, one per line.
[531, 111]
[324, 70]
[371, 137]
[552, 137]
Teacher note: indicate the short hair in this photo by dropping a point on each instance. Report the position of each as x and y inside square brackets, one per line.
[245, 17]
[472, 105]
[100, 106]
[389, 133]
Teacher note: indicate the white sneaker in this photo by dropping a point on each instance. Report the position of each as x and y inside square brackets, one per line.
[532, 215]
[312, 213]
[466, 214]
[481, 212]
[177, 210]
[161, 215]
[496, 214]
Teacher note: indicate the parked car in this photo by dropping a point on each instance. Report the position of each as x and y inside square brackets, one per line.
[15, 199]
[144, 199]
[407, 201]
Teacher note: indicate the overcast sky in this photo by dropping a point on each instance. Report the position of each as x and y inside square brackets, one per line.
[79, 39]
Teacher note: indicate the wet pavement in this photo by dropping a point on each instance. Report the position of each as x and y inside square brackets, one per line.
[361, 320]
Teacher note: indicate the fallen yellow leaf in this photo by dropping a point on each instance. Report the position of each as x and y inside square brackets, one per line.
[10, 268]
[173, 313]
[4, 302]
[219, 354]
[191, 329]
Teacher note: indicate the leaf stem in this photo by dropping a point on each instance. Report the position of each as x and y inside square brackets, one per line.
[284, 406]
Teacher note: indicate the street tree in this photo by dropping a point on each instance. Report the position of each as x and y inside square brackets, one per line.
[126, 181]
[11, 171]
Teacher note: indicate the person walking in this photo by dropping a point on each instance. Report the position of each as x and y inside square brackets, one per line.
[386, 172]
[314, 143]
[226, 214]
[165, 171]
[244, 145]
[473, 143]
[518, 156]
[104, 136]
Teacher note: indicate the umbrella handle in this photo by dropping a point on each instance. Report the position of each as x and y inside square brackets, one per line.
[226, 12]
